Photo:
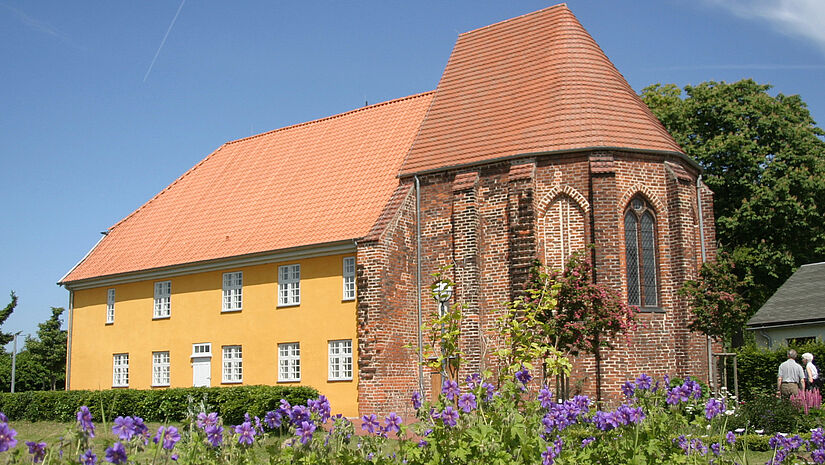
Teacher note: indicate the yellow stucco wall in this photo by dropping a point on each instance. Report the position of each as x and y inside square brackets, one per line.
[196, 317]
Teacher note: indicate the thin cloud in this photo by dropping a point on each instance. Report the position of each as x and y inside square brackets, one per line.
[34, 24]
[797, 18]
[162, 42]
[736, 67]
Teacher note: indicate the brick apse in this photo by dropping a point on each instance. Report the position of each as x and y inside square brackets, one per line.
[533, 147]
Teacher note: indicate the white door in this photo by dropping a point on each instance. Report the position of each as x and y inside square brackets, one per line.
[201, 371]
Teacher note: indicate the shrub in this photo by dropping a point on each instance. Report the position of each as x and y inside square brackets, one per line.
[151, 405]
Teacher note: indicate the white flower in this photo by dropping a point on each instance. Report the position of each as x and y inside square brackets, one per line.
[728, 412]
[759, 431]
[739, 430]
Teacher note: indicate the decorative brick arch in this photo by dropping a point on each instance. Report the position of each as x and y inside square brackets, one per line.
[639, 188]
[562, 216]
[555, 192]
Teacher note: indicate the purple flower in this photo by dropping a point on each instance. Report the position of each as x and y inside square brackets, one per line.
[677, 395]
[524, 375]
[214, 435]
[545, 398]
[698, 446]
[683, 443]
[450, 389]
[7, 435]
[416, 400]
[299, 414]
[246, 433]
[116, 454]
[553, 450]
[206, 420]
[587, 441]
[713, 408]
[174, 457]
[393, 423]
[606, 421]
[369, 423]
[692, 388]
[141, 429]
[716, 448]
[124, 428]
[730, 437]
[3, 418]
[818, 437]
[467, 402]
[491, 390]
[818, 456]
[628, 389]
[88, 458]
[449, 416]
[321, 407]
[84, 419]
[37, 450]
[273, 419]
[305, 431]
[644, 382]
[169, 436]
[473, 381]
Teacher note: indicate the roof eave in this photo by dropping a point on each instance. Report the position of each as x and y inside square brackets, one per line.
[784, 323]
[273, 256]
[684, 157]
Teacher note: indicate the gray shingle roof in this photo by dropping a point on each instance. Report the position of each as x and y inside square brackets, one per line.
[801, 299]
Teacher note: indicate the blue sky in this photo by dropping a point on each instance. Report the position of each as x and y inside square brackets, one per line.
[96, 117]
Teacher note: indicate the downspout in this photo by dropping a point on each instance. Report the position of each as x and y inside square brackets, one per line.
[69, 341]
[418, 284]
[704, 258]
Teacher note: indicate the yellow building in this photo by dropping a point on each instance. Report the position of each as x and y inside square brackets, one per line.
[243, 271]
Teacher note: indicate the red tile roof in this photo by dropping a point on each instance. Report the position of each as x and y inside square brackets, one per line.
[531, 84]
[312, 183]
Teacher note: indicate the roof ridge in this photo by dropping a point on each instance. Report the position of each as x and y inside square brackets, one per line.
[560, 5]
[811, 264]
[327, 118]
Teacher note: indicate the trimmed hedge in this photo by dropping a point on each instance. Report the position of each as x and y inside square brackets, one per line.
[758, 367]
[231, 403]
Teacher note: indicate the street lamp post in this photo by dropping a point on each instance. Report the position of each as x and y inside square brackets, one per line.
[14, 359]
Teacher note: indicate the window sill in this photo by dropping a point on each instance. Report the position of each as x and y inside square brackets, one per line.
[338, 380]
[348, 300]
[282, 381]
[234, 310]
[651, 310]
[162, 317]
[109, 323]
[161, 385]
[232, 382]
[120, 386]
[288, 305]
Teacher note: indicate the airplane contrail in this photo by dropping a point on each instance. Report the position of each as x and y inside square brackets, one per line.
[171, 25]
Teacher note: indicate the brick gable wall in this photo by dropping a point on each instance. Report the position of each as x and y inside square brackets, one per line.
[489, 223]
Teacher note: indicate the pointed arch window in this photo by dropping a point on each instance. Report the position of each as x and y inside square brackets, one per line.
[640, 254]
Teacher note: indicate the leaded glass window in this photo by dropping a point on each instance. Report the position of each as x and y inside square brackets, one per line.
[640, 254]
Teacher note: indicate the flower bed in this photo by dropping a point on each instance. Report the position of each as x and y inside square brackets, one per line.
[474, 421]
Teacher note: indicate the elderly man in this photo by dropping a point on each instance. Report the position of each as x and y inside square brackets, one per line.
[791, 377]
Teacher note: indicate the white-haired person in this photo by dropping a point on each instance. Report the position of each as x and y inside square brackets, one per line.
[811, 373]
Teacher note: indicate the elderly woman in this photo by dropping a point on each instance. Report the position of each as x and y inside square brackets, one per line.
[811, 373]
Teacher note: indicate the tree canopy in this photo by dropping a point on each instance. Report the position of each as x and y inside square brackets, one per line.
[49, 349]
[5, 338]
[764, 158]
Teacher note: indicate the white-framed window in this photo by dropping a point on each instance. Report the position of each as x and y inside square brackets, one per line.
[340, 360]
[289, 285]
[160, 368]
[232, 364]
[110, 306]
[349, 278]
[163, 299]
[232, 291]
[289, 362]
[120, 370]
[202, 349]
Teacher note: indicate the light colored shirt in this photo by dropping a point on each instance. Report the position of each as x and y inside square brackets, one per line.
[811, 369]
[791, 372]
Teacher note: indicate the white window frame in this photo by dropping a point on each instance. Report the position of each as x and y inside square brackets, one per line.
[110, 306]
[120, 370]
[349, 278]
[232, 300]
[340, 360]
[202, 349]
[163, 299]
[232, 364]
[289, 285]
[289, 362]
[160, 368]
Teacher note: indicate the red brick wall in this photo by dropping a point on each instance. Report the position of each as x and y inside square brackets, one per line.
[489, 223]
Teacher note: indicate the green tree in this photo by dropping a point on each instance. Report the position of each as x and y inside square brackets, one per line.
[764, 158]
[49, 349]
[716, 304]
[5, 338]
[29, 374]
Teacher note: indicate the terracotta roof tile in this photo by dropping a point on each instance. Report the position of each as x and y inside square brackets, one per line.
[536, 83]
[312, 183]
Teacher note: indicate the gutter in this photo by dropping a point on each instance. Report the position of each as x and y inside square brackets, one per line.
[69, 341]
[418, 284]
[759, 327]
[704, 258]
